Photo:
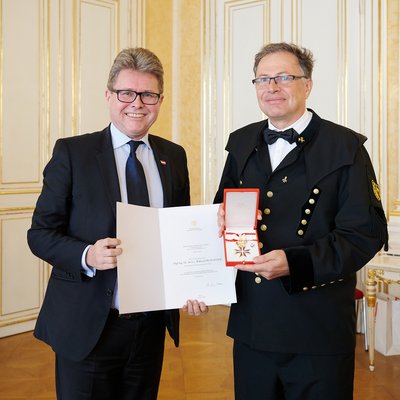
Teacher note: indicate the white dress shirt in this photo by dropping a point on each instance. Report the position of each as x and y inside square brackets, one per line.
[281, 148]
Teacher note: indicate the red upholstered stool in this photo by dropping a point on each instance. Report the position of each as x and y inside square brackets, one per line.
[362, 305]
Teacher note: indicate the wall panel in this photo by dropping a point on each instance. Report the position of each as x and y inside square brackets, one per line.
[55, 59]
[240, 47]
[18, 273]
[96, 28]
[21, 113]
[22, 276]
[322, 37]
[23, 132]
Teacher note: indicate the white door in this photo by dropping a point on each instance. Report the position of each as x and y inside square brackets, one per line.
[347, 39]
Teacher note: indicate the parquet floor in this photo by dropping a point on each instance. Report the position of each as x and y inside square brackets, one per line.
[200, 369]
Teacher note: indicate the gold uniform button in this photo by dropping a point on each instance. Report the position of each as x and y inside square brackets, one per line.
[311, 201]
[260, 245]
[323, 284]
[304, 222]
[300, 232]
[307, 211]
[263, 227]
[314, 287]
[270, 194]
[257, 279]
[341, 280]
[241, 182]
[331, 282]
[267, 211]
[305, 289]
[316, 191]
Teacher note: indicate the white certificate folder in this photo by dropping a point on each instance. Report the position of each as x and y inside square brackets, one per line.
[171, 255]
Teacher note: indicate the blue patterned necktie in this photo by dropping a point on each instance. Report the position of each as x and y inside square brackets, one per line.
[135, 180]
[271, 136]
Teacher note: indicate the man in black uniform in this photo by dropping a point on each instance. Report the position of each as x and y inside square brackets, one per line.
[321, 221]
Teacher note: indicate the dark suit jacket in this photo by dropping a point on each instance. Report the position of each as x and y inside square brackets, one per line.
[77, 207]
[321, 205]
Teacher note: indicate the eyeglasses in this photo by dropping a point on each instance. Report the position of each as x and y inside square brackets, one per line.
[280, 80]
[129, 96]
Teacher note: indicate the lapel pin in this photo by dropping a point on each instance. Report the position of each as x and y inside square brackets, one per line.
[285, 179]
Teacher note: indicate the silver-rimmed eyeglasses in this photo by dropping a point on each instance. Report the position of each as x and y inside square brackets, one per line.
[129, 96]
[280, 80]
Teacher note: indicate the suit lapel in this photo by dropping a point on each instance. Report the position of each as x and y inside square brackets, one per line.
[164, 170]
[263, 159]
[290, 158]
[254, 144]
[106, 162]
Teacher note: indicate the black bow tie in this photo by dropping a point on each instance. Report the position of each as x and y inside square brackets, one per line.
[271, 136]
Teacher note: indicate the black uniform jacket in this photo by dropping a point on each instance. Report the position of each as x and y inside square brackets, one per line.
[322, 206]
[77, 207]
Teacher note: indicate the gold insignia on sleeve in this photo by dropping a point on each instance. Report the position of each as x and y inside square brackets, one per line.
[376, 190]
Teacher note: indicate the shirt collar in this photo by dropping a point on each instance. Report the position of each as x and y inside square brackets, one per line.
[299, 125]
[119, 139]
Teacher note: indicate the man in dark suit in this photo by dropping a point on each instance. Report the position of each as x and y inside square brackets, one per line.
[99, 353]
[320, 220]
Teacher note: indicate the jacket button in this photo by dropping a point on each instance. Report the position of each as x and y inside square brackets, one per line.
[270, 194]
[260, 245]
[263, 227]
[267, 211]
[109, 292]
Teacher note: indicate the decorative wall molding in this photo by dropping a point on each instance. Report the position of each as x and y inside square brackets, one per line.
[57, 53]
[349, 76]
[394, 216]
[55, 59]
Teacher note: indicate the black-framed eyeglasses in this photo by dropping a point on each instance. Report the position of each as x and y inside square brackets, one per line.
[280, 80]
[129, 96]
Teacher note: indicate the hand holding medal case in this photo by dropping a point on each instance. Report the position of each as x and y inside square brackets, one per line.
[240, 235]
